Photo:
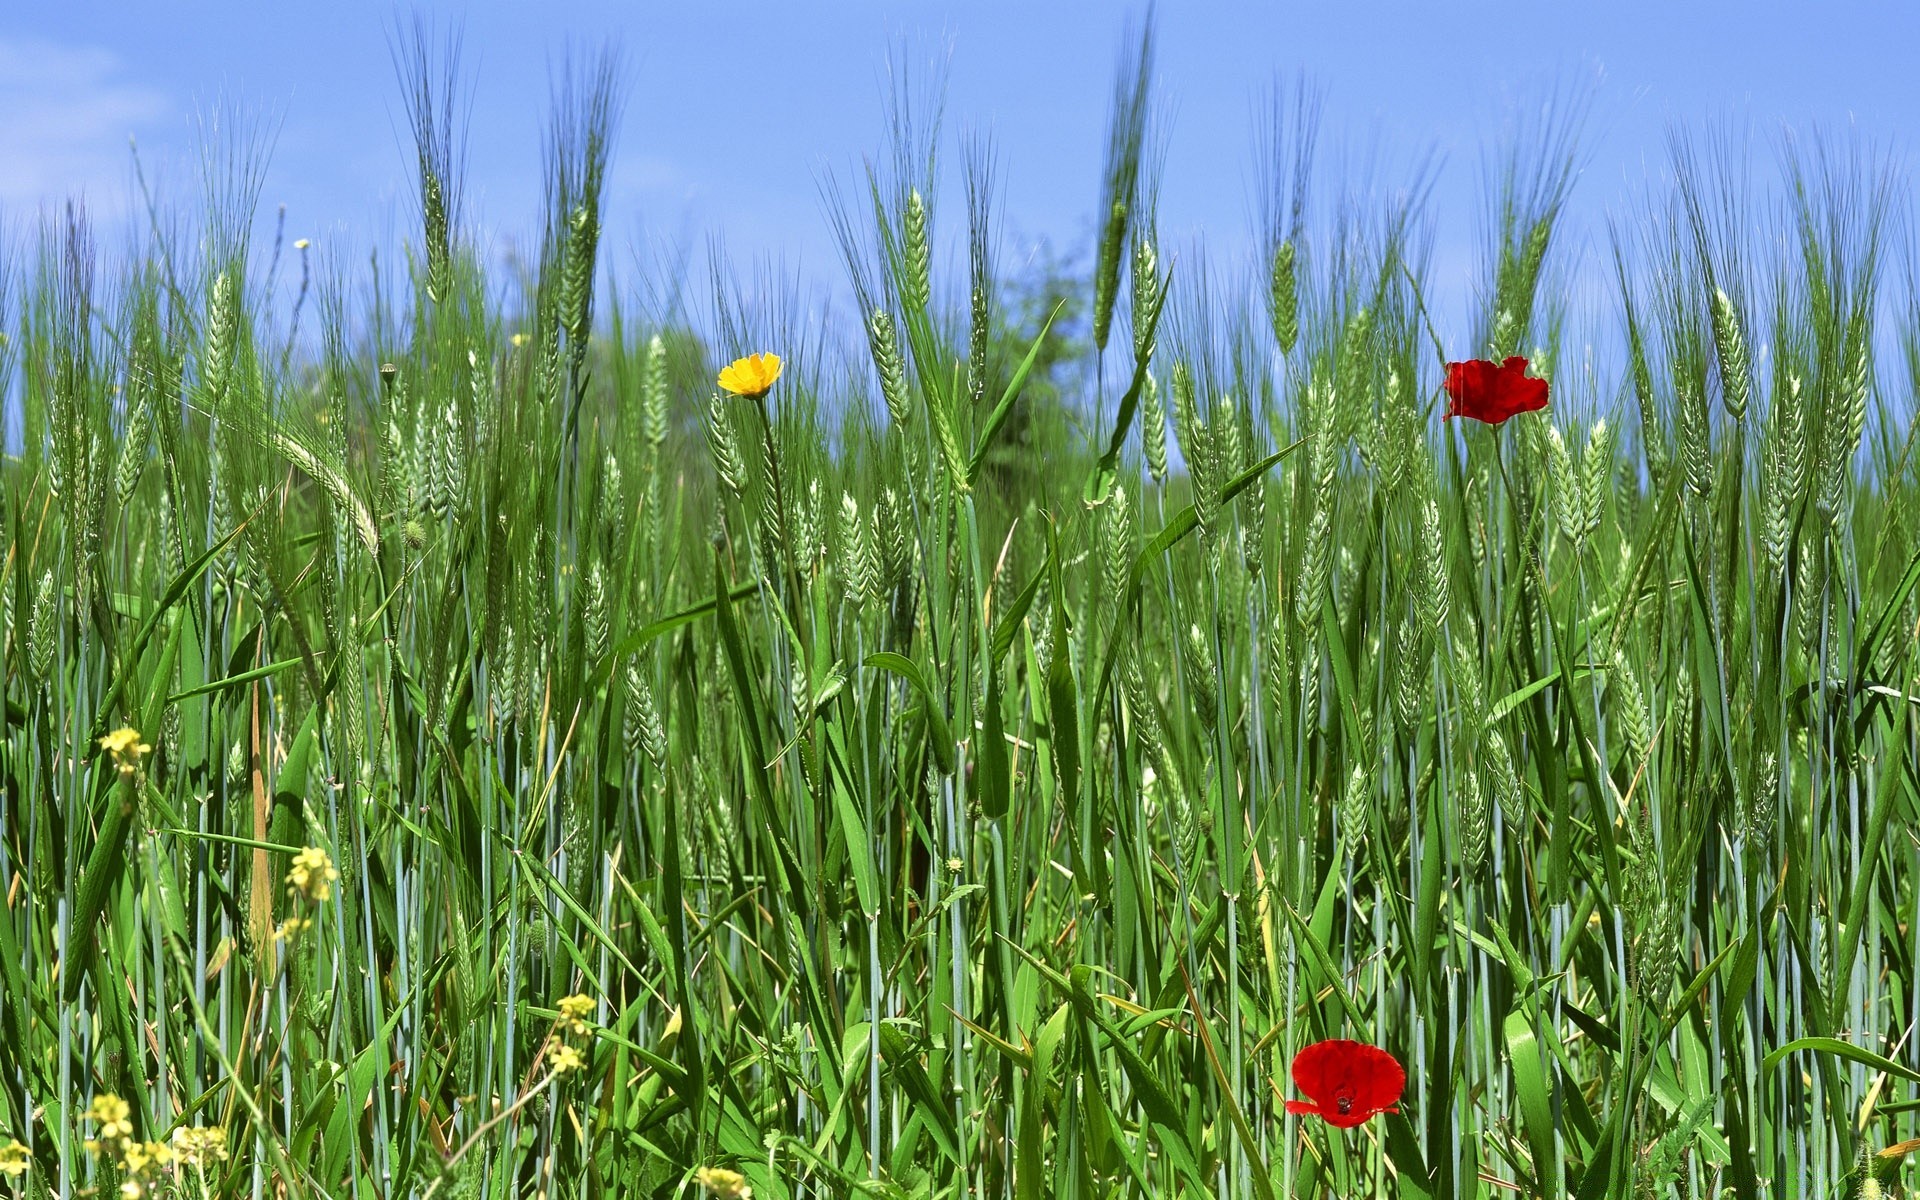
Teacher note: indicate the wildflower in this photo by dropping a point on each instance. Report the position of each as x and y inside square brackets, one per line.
[752, 376]
[196, 1145]
[518, 340]
[312, 876]
[291, 928]
[302, 244]
[1490, 393]
[1346, 1082]
[111, 1113]
[564, 1058]
[126, 747]
[142, 1155]
[723, 1183]
[131, 1190]
[14, 1160]
[574, 1011]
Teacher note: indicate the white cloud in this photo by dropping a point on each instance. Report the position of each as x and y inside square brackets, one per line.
[66, 113]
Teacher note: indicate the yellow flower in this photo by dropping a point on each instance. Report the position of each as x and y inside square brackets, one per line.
[291, 928]
[14, 1160]
[574, 1011]
[126, 747]
[141, 1155]
[194, 1145]
[752, 376]
[111, 1112]
[302, 244]
[131, 1190]
[725, 1184]
[564, 1058]
[312, 876]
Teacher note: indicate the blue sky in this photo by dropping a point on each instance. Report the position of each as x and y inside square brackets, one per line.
[735, 110]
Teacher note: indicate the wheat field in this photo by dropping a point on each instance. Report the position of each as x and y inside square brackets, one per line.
[453, 747]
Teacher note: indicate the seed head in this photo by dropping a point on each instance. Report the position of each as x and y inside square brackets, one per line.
[653, 394]
[1284, 297]
[918, 253]
[1153, 428]
[721, 441]
[1735, 384]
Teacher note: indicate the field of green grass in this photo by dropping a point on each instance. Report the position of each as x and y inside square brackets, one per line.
[976, 766]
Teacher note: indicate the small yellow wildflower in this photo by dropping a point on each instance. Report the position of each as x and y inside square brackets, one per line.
[574, 1011]
[291, 928]
[302, 244]
[752, 376]
[518, 340]
[14, 1160]
[111, 1113]
[131, 1190]
[564, 1058]
[312, 876]
[723, 1183]
[126, 747]
[142, 1155]
[196, 1145]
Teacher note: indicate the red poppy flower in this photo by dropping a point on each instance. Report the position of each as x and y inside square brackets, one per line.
[1490, 393]
[1346, 1082]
